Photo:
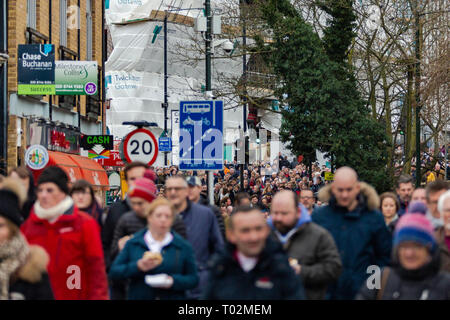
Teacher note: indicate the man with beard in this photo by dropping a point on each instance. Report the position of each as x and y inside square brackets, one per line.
[404, 191]
[312, 251]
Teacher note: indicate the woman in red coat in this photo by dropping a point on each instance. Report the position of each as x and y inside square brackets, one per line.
[70, 237]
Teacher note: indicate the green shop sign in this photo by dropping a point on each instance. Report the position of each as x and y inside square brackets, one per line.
[76, 77]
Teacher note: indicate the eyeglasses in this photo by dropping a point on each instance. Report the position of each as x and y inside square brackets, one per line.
[307, 198]
[175, 189]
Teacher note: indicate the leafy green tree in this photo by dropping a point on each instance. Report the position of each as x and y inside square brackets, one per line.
[323, 110]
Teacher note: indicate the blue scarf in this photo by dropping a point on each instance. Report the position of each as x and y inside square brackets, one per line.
[304, 218]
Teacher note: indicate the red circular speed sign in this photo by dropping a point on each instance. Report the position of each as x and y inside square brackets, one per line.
[140, 145]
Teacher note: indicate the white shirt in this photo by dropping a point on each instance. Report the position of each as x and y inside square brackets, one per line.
[154, 245]
[247, 263]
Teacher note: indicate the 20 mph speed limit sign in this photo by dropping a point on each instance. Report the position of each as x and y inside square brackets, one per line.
[140, 145]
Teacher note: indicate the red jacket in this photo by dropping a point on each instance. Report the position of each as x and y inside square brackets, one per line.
[74, 246]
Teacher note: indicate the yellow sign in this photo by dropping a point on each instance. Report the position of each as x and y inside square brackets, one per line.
[329, 176]
[123, 184]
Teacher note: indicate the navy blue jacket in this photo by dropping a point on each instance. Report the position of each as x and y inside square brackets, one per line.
[271, 279]
[361, 236]
[178, 262]
[204, 235]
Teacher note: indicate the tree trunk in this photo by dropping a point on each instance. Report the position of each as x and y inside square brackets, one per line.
[410, 122]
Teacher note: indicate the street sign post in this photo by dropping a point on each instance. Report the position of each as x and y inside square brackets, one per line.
[165, 144]
[201, 135]
[140, 145]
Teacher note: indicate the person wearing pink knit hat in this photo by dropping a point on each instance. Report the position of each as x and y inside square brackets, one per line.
[415, 273]
[141, 195]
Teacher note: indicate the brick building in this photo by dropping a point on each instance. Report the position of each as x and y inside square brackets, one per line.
[76, 35]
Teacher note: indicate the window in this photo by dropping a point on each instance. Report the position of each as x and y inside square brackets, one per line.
[66, 101]
[89, 30]
[93, 103]
[63, 22]
[31, 14]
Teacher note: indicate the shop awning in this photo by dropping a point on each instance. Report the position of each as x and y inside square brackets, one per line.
[77, 168]
[63, 161]
[91, 171]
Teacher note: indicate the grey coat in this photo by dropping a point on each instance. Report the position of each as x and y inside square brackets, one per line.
[316, 252]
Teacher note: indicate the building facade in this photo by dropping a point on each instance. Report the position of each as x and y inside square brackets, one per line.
[75, 29]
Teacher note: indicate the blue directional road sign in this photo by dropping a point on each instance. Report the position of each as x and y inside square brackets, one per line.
[201, 135]
[165, 144]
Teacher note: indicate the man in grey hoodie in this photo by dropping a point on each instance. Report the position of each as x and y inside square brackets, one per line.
[311, 249]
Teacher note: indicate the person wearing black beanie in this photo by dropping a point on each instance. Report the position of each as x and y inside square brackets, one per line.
[71, 238]
[56, 175]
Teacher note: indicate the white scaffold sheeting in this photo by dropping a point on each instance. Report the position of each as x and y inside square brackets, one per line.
[135, 69]
[126, 11]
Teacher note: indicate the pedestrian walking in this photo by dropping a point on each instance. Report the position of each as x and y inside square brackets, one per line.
[389, 207]
[415, 273]
[23, 268]
[311, 249]
[83, 196]
[442, 233]
[70, 237]
[253, 266]
[26, 177]
[159, 263]
[358, 229]
[202, 229]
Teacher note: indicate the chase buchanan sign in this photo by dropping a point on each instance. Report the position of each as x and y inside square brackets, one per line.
[36, 69]
[40, 74]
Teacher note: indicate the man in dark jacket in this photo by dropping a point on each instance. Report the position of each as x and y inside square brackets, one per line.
[253, 266]
[195, 190]
[358, 228]
[404, 190]
[202, 229]
[133, 171]
[311, 249]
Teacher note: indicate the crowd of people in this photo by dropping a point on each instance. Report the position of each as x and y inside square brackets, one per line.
[283, 233]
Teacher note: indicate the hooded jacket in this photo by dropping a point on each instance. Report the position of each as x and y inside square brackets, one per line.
[361, 236]
[76, 255]
[31, 281]
[271, 279]
[314, 249]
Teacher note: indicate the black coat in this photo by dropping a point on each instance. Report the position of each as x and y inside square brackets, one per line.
[271, 279]
[427, 283]
[216, 210]
[31, 281]
[114, 213]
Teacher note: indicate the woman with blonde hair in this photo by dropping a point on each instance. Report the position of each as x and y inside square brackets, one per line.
[159, 263]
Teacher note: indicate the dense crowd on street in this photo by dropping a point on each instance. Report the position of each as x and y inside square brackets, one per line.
[278, 230]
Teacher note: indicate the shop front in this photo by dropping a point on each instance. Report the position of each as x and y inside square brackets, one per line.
[62, 145]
